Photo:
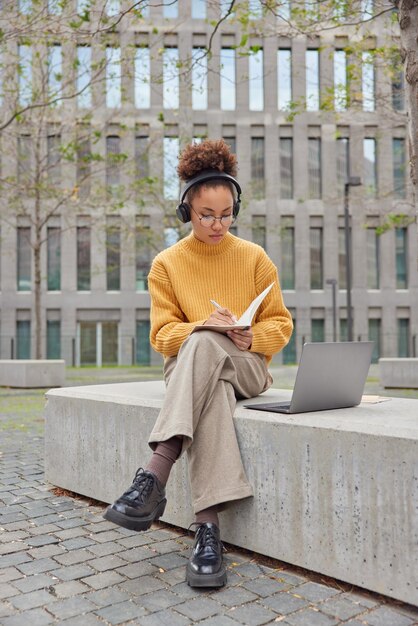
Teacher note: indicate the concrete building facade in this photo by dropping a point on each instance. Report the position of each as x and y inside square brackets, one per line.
[292, 167]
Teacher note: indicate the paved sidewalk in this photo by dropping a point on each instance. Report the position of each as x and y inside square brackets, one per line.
[61, 563]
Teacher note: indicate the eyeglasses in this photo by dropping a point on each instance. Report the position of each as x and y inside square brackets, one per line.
[208, 220]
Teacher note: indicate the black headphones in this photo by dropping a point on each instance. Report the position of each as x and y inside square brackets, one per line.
[183, 209]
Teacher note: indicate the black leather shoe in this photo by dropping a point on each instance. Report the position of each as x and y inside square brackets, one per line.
[143, 503]
[205, 567]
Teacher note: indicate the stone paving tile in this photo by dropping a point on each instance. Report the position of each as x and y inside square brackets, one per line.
[159, 600]
[386, 616]
[7, 591]
[142, 585]
[9, 573]
[218, 620]
[311, 617]
[32, 600]
[106, 597]
[199, 608]
[121, 613]
[170, 561]
[252, 614]
[341, 607]
[69, 607]
[315, 592]
[264, 587]
[134, 541]
[35, 617]
[143, 568]
[233, 596]
[37, 566]
[285, 603]
[73, 572]
[73, 557]
[70, 588]
[103, 549]
[88, 620]
[165, 618]
[105, 563]
[32, 583]
[104, 579]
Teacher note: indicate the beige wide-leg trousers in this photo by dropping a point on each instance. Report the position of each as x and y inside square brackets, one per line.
[203, 383]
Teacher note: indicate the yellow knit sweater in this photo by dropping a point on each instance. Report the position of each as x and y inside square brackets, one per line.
[184, 277]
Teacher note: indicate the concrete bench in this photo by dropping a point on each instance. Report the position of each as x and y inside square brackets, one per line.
[335, 491]
[399, 372]
[28, 373]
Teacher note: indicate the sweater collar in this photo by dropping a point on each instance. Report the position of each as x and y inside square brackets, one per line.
[195, 246]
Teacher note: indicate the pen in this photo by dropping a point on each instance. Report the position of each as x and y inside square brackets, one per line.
[218, 306]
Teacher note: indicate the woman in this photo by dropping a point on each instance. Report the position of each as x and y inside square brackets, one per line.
[205, 371]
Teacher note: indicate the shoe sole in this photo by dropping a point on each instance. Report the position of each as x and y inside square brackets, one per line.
[135, 523]
[206, 580]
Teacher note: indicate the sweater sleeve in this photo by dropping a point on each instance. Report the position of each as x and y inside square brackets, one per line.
[169, 329]
[273, 323]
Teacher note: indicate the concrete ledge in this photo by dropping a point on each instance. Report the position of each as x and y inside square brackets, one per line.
[28, 373]
[401, 373]
[335, 491]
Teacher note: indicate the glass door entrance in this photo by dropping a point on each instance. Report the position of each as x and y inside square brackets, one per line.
[97, 343]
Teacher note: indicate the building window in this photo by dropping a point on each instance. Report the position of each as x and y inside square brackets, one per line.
[23, 347]
[232, 143]
[340, 80]
[399, 168]
[142, 78]
[55, 73]
[403, 337]
[256, 80]
[53, 339]
[25, 74]
[25, 7]
[141, 156]
[257, 167]
[258, 229]
[170, 78]
[171, 236]
[171, 182]
[287, 269]
[314, 168]
[113, 257]
[289, 352]
[316, 254]
[171, 9]
[373, 259]
[284, 78]
[375, 335]
[398, 84]
[286, 167]
[343, 329]
[368, 81]
[342, 259]
[53, 258]
[83, 258]
[143, 348]
[24, 160]
[113, 78]
[142, 253]
[312, 80]
[283, 10]
[370, 167]
[109, 343]
[112, 161]
[24, 259]
[199, 9]
[227, 79]
[54, 159]
[318, 330]
[343, 163]
[83, 173]
[84, 77]
[401, 258]
[112, 7]
[199, 79]
[367, 9]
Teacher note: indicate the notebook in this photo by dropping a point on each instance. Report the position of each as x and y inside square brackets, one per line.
[329, 376]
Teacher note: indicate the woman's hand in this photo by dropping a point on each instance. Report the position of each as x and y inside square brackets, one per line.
[221, 317]
[241, 338]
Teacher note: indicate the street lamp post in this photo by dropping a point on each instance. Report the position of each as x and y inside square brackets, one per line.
[333, 283]
[353, 181]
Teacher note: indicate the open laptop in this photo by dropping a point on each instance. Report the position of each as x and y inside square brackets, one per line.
[329, 376]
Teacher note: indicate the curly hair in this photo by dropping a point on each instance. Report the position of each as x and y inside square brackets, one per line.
[211, 154]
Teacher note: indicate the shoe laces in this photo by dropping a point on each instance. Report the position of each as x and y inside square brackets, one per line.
[207, 535]
[141, 486]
